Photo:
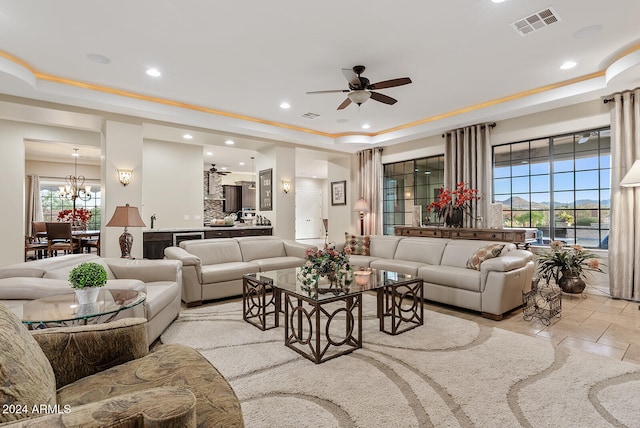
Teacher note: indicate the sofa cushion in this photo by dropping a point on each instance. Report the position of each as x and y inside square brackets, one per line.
[227, 271]
[357, 244]
[384, 247]
[159, 295]
[62, 272]
[26, 376]
[254, 249]
[393, 265]
[448, 276]
[274, 263]
[423, 250]
[484, 253]
[212, 251]
[361, 261]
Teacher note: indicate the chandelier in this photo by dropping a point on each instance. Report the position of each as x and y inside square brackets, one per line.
[75, 187]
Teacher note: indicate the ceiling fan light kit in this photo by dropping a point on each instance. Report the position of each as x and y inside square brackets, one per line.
[360, 90]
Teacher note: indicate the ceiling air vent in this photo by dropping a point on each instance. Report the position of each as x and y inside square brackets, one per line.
[537, 21]
[310, 115]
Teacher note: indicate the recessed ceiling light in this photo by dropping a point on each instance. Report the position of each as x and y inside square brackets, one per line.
[497, 1]
[366, 126]
[285, 105]
[229, 142]
[187, 136]
[98, 59]
[568, 65]
[209, 153]
[241, 164]
[223, 168]
[154, 72]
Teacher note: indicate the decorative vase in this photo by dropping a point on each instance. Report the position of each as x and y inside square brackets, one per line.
[571, 283]
[455, 217]
[87, 295]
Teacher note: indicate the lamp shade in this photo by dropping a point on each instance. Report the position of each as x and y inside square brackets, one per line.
[632, 179]
[362, 205]
[126, 216]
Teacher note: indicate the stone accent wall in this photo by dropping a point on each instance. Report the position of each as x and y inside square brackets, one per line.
[213, 200]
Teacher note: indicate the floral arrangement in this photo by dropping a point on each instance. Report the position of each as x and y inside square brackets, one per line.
[572, 259]
[460, 198]
[82, 215]
[325, 262]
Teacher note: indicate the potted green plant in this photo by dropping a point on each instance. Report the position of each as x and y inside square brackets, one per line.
[86, 279]
[567, 265]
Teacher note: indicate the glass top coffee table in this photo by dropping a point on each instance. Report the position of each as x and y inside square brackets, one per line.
[324, 324]
[64, 310]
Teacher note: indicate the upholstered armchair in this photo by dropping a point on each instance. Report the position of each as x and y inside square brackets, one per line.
[103, 376]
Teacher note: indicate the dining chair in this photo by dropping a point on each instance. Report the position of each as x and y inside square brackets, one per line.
[92, 243]
[32, 244]
[39, 230]
[60, 238]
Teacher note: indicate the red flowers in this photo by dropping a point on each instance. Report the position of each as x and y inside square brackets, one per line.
[461, 197]
[83, 215]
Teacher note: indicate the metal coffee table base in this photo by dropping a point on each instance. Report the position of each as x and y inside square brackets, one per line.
[390, 299]
[314, 329]
[260, 301]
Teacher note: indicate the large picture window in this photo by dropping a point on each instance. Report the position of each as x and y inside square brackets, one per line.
[559, 185]
[52, 203]
[408, 185]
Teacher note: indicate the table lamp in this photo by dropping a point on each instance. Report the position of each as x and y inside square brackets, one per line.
[363, 207]
[126, 216]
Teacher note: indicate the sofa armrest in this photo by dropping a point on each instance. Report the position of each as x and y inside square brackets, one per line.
[512, 260]
[154, 407]
[77, 352]
[296, 249]
[146, 270]
[177, 253]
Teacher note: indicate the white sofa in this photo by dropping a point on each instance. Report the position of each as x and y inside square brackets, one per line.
[213, 268]
[161, 280]
[442, 263]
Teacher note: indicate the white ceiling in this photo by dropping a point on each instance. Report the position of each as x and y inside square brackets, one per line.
[227, 66]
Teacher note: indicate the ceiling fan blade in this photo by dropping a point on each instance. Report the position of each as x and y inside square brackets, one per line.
[383, 98]
[351, 77]
[345, 103]
[390, 83]
[332, 91]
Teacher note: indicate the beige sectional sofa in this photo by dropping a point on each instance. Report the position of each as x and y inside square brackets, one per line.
[161, 280]
[213, 268]
[493, 290]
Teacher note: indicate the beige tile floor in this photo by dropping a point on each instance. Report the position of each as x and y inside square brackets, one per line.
[593, 322]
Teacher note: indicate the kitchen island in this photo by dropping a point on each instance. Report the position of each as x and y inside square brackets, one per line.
[154, 241]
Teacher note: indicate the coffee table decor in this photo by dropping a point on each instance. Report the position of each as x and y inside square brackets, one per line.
[86, 279]
[325, 266]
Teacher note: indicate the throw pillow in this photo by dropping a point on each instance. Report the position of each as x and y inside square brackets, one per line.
[26, 375]
[482, 254]
[359, 245]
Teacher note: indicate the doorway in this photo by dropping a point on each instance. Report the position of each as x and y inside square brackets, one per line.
[308, 214]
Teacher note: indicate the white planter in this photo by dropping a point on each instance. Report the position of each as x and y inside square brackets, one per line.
[87, 295]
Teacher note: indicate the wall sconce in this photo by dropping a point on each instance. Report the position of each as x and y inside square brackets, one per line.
[124, 175]
[286, 186]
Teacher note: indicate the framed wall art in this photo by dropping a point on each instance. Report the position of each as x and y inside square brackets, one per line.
[266, 188]
[339, 192]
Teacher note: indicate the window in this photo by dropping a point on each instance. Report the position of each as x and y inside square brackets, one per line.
[559, 185]
[52, 203]
[410, 184]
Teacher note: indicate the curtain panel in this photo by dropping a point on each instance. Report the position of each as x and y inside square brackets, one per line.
[467, 160]
[624, 231]
[370, 187]
[33, 211]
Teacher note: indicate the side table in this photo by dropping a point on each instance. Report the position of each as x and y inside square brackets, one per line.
[542, 302]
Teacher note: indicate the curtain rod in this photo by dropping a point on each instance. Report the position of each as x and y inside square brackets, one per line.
[612, 99]
[490, 125]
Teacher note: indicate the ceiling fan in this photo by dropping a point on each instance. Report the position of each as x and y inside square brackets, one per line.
[214, 170]
[360, 90]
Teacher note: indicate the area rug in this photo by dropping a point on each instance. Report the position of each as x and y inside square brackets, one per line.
[449, 372]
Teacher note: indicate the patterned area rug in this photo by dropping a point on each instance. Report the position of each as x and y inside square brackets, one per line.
[448, 373]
